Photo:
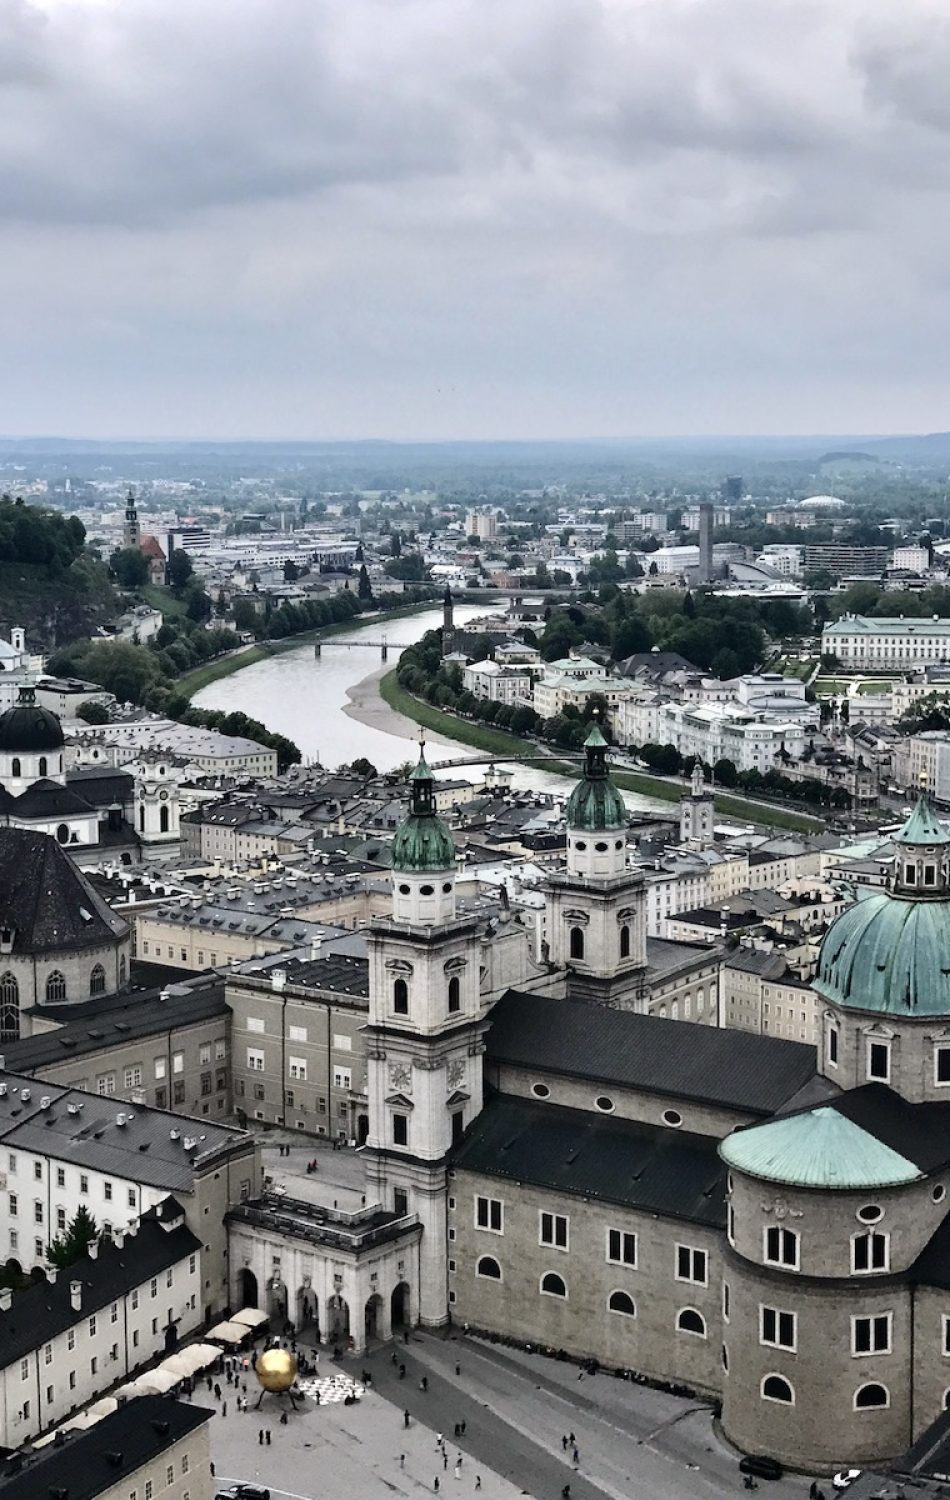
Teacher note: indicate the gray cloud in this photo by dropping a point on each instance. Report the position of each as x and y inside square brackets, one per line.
[473, 217]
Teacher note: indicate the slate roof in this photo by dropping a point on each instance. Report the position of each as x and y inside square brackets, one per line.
[46, 900]
[43, 1311]
[46, 798]
[735, 1069]
[338, 972]
[95, 1462]
[643, 1166]
[125, 1019]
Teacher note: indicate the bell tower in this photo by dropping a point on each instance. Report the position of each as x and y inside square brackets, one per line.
[448, 621]
[424, 1036]
[131, 531]
[697, 812]
[596, 907]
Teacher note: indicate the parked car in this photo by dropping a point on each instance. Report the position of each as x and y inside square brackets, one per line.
[761, 1465]
[242, 1492]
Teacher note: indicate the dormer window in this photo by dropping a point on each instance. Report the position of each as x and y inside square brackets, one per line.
[930, 875]
[910, 875]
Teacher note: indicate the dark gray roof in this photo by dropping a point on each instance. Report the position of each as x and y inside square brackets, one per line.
[85, 1129]
[338, 972]
[736, 1069]
[101, 785]
[643, 1166]
[94, 1462]
[48, 799]
[665, 956]
[42, 1311]
[770, 965]
[105, 1024]
[46, 900]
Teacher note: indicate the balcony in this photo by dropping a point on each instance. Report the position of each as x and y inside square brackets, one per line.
[297, 1219]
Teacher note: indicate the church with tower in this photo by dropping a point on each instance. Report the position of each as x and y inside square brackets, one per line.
[750, 1218]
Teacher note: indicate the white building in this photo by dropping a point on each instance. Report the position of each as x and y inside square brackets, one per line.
[922, 764]
[482, 524]
[489, 679]
[121, 744]
[785, 558]
[913, 559]
[67, 1340]
[864, 644]
[725, 731]
[556, 691]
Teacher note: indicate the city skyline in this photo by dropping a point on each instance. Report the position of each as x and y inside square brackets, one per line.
[421, 223]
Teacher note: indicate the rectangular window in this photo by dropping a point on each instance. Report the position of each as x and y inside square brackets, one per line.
[114, 1313]
[726, 1299]
[83, 1182]
[691, 1265]
[220, 1049]
[153, 1287]
[14, 1206]
[71, 1339]
[781, 1247]
[400, 1130]
[296, 1033]
[621, 1247]
[777, 1328]
[554, 1231]
[255, 1023]
[60, 1218]
[105, 1083]
[342, 1078]
[160, 1067]
[178, 1062]
[298, 1069]
[130, 1197]
[879, 1061]
[48, 1354]
[60, 1176]
[92, 1326]
[255, 1060]
[205, 1084]
[134, 1299]
[871, 1335]
[133, 1077]
[490, 1214]
[107, 1191]
[204, 1054]
[178, 1092]
[941, 1065]
[869, 1252]
[342, 1043]
[833, 1046]
[400, 1202]
[37, 1213]
[38, 1171]
[25, 1367]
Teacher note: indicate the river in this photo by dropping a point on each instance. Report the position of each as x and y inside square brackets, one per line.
[328, 705]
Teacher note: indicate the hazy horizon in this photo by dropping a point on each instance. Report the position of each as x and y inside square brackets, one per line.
[460, 220]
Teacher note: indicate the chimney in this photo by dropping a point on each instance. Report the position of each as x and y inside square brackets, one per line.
[118, 1238]
[51, 1274]
[93, 1249]
[75, 1295]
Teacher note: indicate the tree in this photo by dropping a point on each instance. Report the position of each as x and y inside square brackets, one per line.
[689, 606]
[245, 615]
[199, 604]
[92, 712]
[74, 1241]
[725, 773]
[364, 588]
[395, 545]
[291, 571]
[653, 570]
[358, 554]
[362, 767]
[180, 569]
[129, 567]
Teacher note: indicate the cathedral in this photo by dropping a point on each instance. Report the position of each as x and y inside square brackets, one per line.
[734, 1213]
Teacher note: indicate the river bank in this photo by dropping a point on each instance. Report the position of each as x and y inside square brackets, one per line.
[396, 706]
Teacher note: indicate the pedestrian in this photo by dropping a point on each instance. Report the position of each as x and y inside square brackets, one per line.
[571, 1439]
[435, 1484]
[424, 1383]
[405, 1419]
[458, 1368]
[564, 1442]
[402, 1460]
[575, 1456]
[458, 1460]
[438, 1440]
[462, 1426]
[267, 1437]
[224, 1408]
[478, 1481]
[211, 1466]
[217, 1393]
[395, 1361]
[566, 1492]
[445, 1459]
[458, 1471]
[402, 1372]
[209, 1382]
[260, 1435]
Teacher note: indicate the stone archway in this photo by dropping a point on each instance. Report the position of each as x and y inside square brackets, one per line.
[247, 1288]
[372, 1317]
[308, 1312]
[400, 1314]
[277, 1302]
[338, 1319]
[362, 1129]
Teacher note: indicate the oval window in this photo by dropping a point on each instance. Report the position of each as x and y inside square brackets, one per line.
[601, 848]
[939, 1193]
[540, 1090]
[672, 1117]
[604, 1104]
[870, 1213]
[404, 890]
[619, 844]
[447, 888]
[580, 844]
[427, 890]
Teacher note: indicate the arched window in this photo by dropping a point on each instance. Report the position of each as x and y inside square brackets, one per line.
[42, 765]
[62, 833]
[455, 995]
[163, 820]
[141, 820]
[622, 1302]
[9, 1007]
[577, 942]
[868, 1396]
[553, 1285]
[123, 970]
[688, 1320]
[97, 980]
[15, 766]
[674, 1010]
[625, 941]
[777, 1388]
[55, 987]
[488, 1266]
[401, 997]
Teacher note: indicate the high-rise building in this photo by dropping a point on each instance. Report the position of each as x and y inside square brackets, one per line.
[705, 543]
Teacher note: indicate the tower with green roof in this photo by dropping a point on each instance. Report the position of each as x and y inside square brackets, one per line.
[596, 906]
[423, 1039]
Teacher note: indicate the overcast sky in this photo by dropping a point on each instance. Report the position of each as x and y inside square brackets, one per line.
[474, 218]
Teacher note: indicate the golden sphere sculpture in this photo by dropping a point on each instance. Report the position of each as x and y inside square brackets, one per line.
[276, 1370]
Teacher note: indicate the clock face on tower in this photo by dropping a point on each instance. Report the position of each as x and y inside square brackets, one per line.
[400, 1076]
[456, 1073]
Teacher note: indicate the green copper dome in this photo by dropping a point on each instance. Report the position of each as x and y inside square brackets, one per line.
[890, 952]
[422, 841]
[820, 1149]
[595, 805]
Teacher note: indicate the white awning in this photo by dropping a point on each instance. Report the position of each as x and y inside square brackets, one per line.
[253, 1317]
[229, 1333]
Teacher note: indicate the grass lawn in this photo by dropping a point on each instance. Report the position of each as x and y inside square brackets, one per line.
[512, 747]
